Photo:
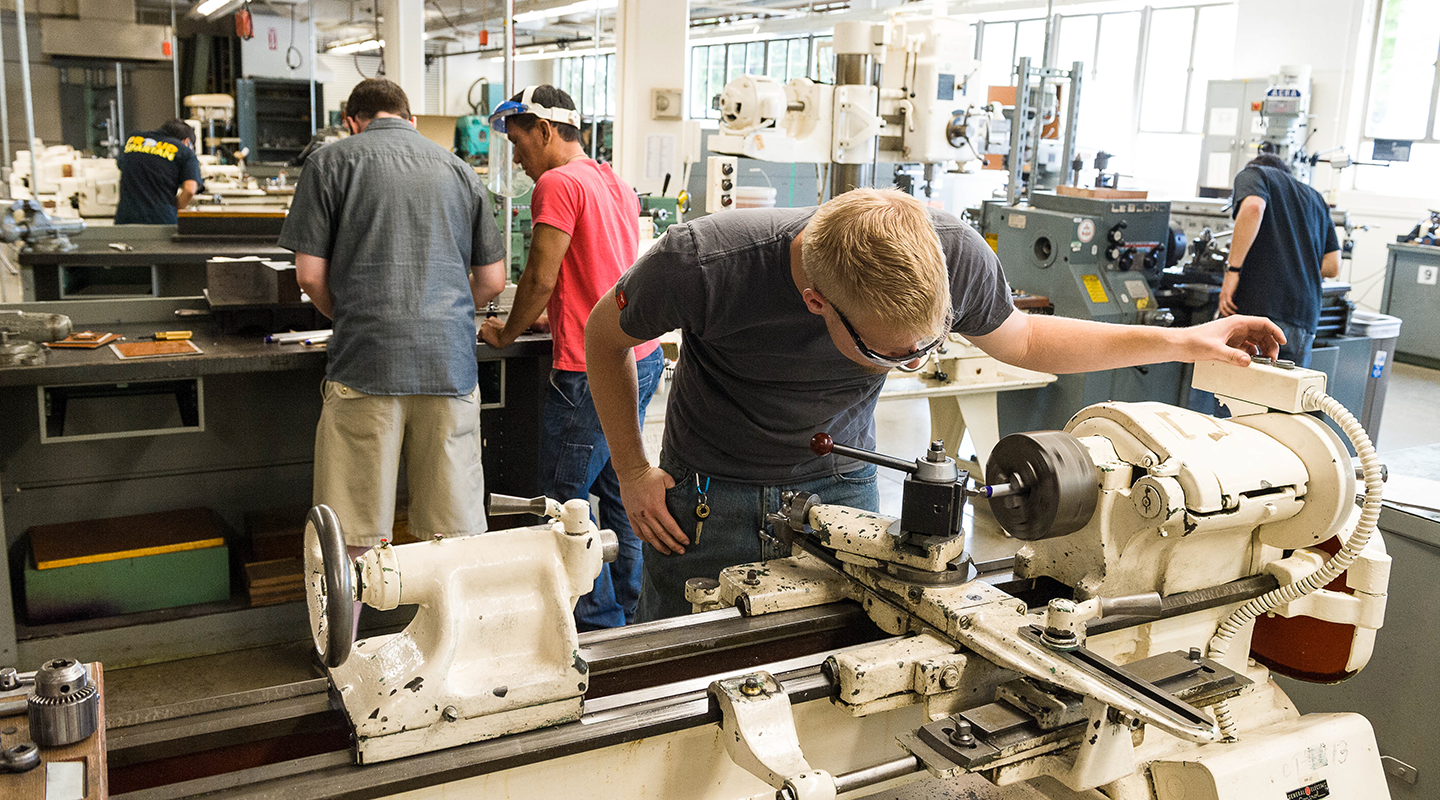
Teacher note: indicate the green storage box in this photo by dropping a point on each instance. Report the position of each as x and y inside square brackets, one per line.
[121, 565]
[125, 586]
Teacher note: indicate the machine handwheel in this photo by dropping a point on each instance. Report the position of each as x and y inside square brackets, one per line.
[1058, 482]
[329, 577]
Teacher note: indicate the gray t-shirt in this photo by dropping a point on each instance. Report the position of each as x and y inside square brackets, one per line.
[758, 374]
[401, 220]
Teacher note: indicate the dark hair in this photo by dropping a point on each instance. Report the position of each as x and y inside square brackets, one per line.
[550, 97]
[177, 129]
[1269, 160]
[375, 95]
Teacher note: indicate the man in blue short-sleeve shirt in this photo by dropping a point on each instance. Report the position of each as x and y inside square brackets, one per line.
[395, 241]
[1284, 243]
[791, 319]
[159, 174]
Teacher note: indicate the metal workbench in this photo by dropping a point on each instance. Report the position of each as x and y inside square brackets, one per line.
[250, 449]
[170, 268]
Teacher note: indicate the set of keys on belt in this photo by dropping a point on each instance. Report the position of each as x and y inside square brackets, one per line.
[702, 509]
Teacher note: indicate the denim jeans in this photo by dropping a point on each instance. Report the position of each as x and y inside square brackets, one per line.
[575, 463]
[1298, 344]
[731, 534]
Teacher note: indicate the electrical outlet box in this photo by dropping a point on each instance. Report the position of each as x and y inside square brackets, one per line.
[1257, 388]
[720, 174]
[666, 104]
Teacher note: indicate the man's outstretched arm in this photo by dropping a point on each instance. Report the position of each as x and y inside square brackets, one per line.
[1064, 345]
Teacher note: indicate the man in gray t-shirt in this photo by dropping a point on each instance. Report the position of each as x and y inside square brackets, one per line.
[394, 240]
[791, 319]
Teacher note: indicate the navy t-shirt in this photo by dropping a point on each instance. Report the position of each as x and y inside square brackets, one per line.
[152, 169]
[1280, 278]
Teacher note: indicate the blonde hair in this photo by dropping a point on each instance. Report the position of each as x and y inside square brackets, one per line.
[874, 254]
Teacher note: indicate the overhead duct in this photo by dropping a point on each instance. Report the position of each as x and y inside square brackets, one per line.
[105, 29]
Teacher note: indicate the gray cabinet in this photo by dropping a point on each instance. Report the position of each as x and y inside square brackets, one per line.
[1412, 293]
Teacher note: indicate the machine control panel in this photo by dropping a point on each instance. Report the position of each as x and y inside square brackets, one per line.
[720, 183]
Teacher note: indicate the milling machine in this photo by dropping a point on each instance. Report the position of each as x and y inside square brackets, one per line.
[1166, 555]
[899, 97]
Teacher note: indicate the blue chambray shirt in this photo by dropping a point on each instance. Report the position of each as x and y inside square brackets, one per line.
[401, 221]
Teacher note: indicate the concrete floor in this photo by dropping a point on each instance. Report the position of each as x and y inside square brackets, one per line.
[1411, 418]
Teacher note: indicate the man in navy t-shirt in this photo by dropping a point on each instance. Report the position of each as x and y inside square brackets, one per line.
[1284, 243]
[159, 173]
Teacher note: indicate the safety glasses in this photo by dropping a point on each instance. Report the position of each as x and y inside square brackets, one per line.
[889, 362]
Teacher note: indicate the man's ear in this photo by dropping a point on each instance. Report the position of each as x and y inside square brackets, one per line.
[814, 301]
[414, 122]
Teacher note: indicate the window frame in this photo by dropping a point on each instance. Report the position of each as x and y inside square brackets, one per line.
[1432, 125]
[811, 43]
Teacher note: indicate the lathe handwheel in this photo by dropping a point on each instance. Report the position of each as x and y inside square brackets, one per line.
[1057, 476]
[328, 575]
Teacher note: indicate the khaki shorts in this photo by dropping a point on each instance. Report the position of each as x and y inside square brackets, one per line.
[358, 447]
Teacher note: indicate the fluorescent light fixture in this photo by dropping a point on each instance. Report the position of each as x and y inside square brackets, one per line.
[580, 7]
[209, 8]
[357, 47]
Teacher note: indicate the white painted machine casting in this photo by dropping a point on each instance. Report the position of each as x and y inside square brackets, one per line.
[1155, 539]
[492, 649]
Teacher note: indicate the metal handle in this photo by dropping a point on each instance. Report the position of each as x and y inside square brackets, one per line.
[1145, 606]
[822, 445]
[502, 504]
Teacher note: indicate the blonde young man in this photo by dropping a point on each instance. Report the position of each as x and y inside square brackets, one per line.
[791, 318]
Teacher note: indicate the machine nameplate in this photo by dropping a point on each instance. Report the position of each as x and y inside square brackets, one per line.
[1140, 208]
[1095, 288]
[1017, 220]
[1086, 230]
[1314, 791]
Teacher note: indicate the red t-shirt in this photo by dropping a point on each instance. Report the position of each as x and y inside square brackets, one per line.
[588, 201]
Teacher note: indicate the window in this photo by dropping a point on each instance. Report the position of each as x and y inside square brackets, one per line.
[1167, 70]
[590, 82]
[1403, 77]
[714, 65]
[1187, 47]
[1107, 102]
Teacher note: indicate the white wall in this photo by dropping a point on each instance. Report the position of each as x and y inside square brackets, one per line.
[264, 56]
[461, 72]
[651, 53]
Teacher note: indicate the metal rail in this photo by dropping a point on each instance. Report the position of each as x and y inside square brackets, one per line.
[703, 640]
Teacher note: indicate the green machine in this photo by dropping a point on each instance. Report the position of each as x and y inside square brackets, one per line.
[663, 211]
[1095, 259]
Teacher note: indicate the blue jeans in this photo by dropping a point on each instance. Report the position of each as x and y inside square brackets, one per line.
[575, 463]
[1298, 344]
[731, 534]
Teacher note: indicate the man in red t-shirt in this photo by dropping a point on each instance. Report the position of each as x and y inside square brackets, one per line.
[586, 231]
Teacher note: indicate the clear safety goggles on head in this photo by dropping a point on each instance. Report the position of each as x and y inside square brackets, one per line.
[525, 105]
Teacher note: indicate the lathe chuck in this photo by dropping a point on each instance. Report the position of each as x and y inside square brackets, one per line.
[64, 706]
[1056, 475]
